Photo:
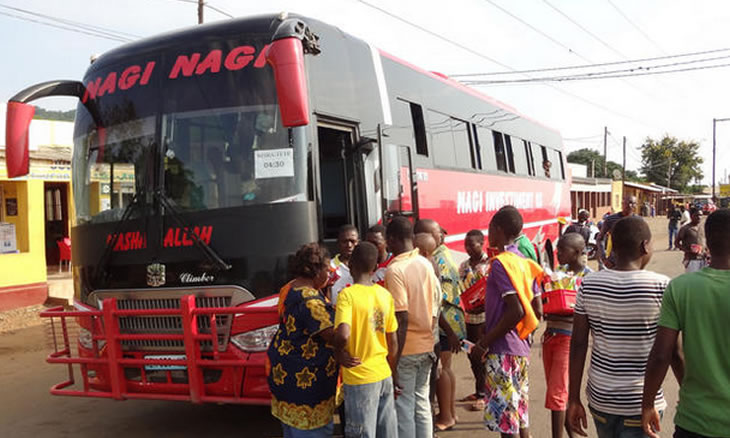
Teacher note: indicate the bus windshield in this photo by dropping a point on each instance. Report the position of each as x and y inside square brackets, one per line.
[207, 138]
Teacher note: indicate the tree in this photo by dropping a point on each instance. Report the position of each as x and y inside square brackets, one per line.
[591, 158]
[679, 161]
[44, 114]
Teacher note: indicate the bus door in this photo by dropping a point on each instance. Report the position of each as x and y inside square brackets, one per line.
[343, 197]
[400, 190]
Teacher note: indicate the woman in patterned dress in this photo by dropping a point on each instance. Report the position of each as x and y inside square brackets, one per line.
[304, 371]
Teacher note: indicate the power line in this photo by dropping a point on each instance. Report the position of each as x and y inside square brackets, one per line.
[540, 32]
[90, 27]
[434, 34]
[94, 34]
[218, 10]
[609, 76]
[480, 55]
[603, 64]
[635, 26]
[581, 27]
[641, 68]
[209, 6]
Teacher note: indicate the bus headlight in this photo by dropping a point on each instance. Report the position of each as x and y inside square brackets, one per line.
[255, 340]
[86, 339]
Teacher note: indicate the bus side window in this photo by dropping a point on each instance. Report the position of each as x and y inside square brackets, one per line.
[442, 139]
[557, 170]
[520, 158]
[529, 157]
[476, 156]
[419, 129]
[499, 151]
[462, 147]
[546, 164]
[485, 143]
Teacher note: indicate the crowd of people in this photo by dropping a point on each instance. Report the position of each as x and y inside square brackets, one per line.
[373, 331]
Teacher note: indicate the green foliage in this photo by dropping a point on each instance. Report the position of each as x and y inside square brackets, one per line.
[587, 156]
[670, 157]
[44, 114]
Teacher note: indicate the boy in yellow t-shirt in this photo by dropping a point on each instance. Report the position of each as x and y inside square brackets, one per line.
[366, 325]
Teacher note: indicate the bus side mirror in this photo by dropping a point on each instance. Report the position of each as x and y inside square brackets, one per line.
[286, 57]
[17, 154]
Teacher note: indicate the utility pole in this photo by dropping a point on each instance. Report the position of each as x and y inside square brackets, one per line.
[605, 151]
[201, 4]
[714, 152]
[593, 168]
[669, 171]
[623, 173]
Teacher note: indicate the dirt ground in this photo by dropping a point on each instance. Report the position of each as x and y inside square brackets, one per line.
[29, 411]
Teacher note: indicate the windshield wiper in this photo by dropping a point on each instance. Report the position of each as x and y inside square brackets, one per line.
[109, 248]
[209, 252]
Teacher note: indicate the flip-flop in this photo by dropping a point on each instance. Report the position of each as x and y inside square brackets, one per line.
[478, 405]
[470, 397]
[438, 428]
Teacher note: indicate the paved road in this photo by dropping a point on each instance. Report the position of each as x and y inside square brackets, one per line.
[29, 411]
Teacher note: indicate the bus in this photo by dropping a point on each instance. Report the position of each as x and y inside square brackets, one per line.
[203, 158]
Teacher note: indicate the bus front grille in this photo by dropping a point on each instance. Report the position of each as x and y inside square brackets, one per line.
[170, 299]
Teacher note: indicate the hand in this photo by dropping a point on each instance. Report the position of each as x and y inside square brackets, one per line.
[454, 342]
[347, 361]
[650, 422]
[397, 390]
[576, 418]
[479, 353]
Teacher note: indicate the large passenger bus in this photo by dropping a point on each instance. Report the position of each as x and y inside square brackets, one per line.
[204, 158]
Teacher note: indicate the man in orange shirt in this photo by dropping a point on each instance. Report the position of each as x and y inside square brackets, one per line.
[411, 280]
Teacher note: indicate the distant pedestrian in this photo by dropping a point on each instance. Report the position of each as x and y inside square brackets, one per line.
[620, 308]
[366, 325]
[376, 236]
[691, 240]
[412, 282]
[347, 240]
[473, 272]
[696, 305]
[581, 225]
[686, 218]
[303, 378]
[512, 311]
[605, 255]
[674, 216]
[556, 340]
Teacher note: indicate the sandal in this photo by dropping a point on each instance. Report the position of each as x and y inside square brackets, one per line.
[439, 428]
[470, 397]
[478, 405]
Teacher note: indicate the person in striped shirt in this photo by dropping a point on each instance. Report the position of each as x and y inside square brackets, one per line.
[620, 308]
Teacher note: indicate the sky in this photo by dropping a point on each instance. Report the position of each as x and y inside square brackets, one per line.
[557, 33]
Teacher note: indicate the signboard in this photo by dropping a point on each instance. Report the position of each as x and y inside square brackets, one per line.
[724, 190]
[274, 163]
[8, 243]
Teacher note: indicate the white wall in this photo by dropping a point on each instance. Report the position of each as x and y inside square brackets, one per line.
[42, 132]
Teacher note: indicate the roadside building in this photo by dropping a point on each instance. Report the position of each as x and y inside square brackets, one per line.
[649, 195]
[35, 212]
[597, 195]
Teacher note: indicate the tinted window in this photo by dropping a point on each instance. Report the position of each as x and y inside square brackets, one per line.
[545, 163]
[462, 148]
[485, 142]
[419, 129]
[556, 161]
[510, 154]
[499, 151]
[442, 140]
[528, 156]
[520, 157]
